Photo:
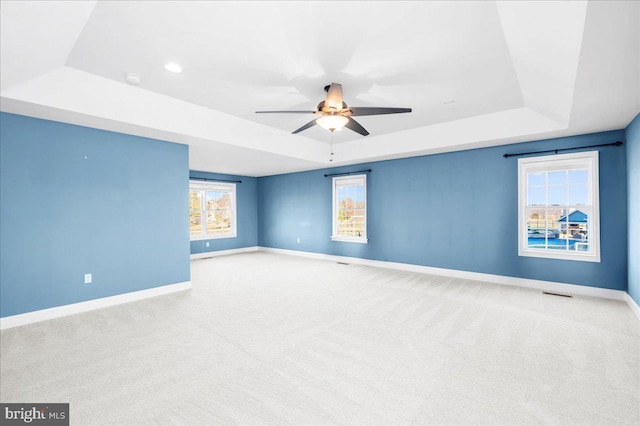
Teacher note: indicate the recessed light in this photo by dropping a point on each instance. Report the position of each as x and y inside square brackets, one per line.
[173, 67]
[133, 79]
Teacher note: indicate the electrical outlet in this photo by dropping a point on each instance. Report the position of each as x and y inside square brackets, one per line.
[298, 240]
[206, 244]
[87, 278]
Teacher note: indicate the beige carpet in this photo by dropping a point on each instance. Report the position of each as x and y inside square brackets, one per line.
[270, 339]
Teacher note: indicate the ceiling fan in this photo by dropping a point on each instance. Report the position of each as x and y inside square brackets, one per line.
[335, 114]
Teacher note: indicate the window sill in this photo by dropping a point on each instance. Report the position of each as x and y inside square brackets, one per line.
[211, 237]
[359, 240]
[560, 256]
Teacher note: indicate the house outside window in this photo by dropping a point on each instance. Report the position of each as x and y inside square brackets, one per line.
[350, 209]
[558, 210]
[212, 210]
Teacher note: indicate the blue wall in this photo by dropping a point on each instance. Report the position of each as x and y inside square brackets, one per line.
[77, 200]
[119, 213]
[456, 210]
[247, 212]
[633, 186]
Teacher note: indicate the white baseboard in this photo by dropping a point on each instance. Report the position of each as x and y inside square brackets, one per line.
[633, 305]
[75, 308]
[208, 254]
[89, 305]
[556, 287]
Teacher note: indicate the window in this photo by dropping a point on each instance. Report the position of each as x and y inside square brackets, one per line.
[350, 209]
[558, 213]
[212, 210]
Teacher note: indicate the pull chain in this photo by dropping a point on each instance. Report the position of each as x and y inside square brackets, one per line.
[331, 148]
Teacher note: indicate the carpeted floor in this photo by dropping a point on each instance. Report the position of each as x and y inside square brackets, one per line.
[270, 339]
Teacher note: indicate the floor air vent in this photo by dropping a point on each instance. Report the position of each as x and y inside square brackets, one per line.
[557, 294]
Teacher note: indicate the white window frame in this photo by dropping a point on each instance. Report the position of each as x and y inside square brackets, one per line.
[342, 181]
[581, 160]
[215, 186]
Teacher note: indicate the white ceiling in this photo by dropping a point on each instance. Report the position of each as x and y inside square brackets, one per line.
[517, 71]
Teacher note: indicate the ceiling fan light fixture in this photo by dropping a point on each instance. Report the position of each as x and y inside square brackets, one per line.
[332, 122]
[335, 115]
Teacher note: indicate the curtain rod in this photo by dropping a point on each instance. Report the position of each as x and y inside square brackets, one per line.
[349, 173]
[616, 143]
[214, 180]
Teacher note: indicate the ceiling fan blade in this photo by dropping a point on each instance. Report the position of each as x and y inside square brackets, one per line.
[356, 127]
[305, 127]
[285, 112]
[334, 96]
[377, 110]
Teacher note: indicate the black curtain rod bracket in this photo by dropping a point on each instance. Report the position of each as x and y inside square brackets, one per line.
[349, 173]
[214, 180]
[555, 151]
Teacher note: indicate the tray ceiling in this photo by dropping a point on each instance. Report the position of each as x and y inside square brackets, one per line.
[478, 73]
